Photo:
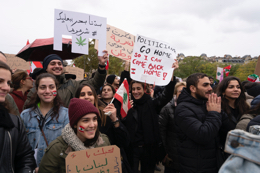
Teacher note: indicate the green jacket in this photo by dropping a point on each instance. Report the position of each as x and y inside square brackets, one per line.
[68, 88]
[53, 160]
[11, 105]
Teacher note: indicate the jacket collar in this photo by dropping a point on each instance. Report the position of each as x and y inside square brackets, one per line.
[185, 96]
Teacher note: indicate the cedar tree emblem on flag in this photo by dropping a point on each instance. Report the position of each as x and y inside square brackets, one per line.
[81, 129]
[122, 95]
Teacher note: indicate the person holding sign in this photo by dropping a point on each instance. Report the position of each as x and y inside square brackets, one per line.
[109, 125]
[16, 154]
[80, 134]
[45, 117]
[53, 64]
[142, 124]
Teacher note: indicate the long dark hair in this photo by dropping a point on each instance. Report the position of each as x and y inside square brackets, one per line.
[240, 102]
[57, 103]
[2, 104]
[97, 103]
[89, 142]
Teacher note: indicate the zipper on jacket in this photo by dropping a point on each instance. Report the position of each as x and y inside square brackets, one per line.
[11, 150]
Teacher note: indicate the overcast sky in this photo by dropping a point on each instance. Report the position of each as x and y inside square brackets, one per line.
[192, 27]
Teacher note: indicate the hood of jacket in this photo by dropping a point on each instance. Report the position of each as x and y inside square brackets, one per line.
[185, 96]
[255, 101]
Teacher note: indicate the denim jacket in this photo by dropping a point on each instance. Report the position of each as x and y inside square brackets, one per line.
[244, 148]
[52, 129]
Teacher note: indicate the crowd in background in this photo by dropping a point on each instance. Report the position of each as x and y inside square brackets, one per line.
[184, 125]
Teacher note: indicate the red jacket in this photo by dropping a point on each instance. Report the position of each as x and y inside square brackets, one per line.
[19, 99]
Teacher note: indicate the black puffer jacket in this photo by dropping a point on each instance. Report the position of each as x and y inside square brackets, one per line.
[16, 154]
[168, 132]
[197, 133]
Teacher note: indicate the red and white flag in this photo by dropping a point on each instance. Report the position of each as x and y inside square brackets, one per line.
[122, 95]
[227, 70]
[35, 64]
[107, 64]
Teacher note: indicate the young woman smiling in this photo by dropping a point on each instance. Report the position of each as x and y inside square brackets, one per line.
[142, 124]
[45, 117]
[80, 134]
[111, 126]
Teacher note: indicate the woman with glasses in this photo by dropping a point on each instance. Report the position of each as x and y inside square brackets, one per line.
[22, 83]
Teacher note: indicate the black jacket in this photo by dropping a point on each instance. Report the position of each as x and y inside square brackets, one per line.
[256, 120]
[16, 154]
[151, 110]
[197, 133]
[168, 132]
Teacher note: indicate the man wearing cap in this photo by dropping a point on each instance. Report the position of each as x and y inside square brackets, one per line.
[113, 80]
[67, 88]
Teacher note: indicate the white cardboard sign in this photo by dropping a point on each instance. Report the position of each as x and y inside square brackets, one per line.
[152, 61]
[81, 27]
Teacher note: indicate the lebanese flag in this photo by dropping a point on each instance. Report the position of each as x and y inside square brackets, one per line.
[122, 95]
[107, 64]
[73, 65]
[35, 64]
[81, 128]
[252, 77]
[227, 70]
[219, 74]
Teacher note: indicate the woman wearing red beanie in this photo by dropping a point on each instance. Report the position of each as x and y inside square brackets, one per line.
[109, 125]
[80, 134]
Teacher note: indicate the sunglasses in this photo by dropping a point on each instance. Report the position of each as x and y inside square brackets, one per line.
[29, 78]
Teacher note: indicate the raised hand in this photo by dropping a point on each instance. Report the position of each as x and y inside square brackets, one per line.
[214, 103]
[103, 59]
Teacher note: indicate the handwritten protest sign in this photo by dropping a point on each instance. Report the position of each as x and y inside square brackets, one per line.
[98, 160]
[18, 63]
[81, 27]
[119, 43]
[79, 72]
[152, 61]
[257, 68]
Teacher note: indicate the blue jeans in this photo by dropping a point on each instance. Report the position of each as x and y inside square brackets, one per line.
[244, 148]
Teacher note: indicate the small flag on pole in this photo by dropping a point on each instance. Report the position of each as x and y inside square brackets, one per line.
[227, 70]
[122, 95]
[35, 64]
[219, 74]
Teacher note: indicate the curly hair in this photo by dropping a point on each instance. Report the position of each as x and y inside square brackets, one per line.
[57, 103]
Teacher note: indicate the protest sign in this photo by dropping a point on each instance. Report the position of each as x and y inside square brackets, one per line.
[18, 63]
[152, 61]
[257, 68]
[79, 72]
[119, 43]
[101, 160]
[81, 27]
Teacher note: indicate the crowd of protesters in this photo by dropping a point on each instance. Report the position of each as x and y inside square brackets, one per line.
[184, 125]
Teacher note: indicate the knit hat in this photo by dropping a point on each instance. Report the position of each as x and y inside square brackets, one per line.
[48, 59]
[111, 78]
[79, 108]
[254, 90]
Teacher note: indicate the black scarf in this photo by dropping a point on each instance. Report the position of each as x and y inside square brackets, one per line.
[149, 119]
[5, 119]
